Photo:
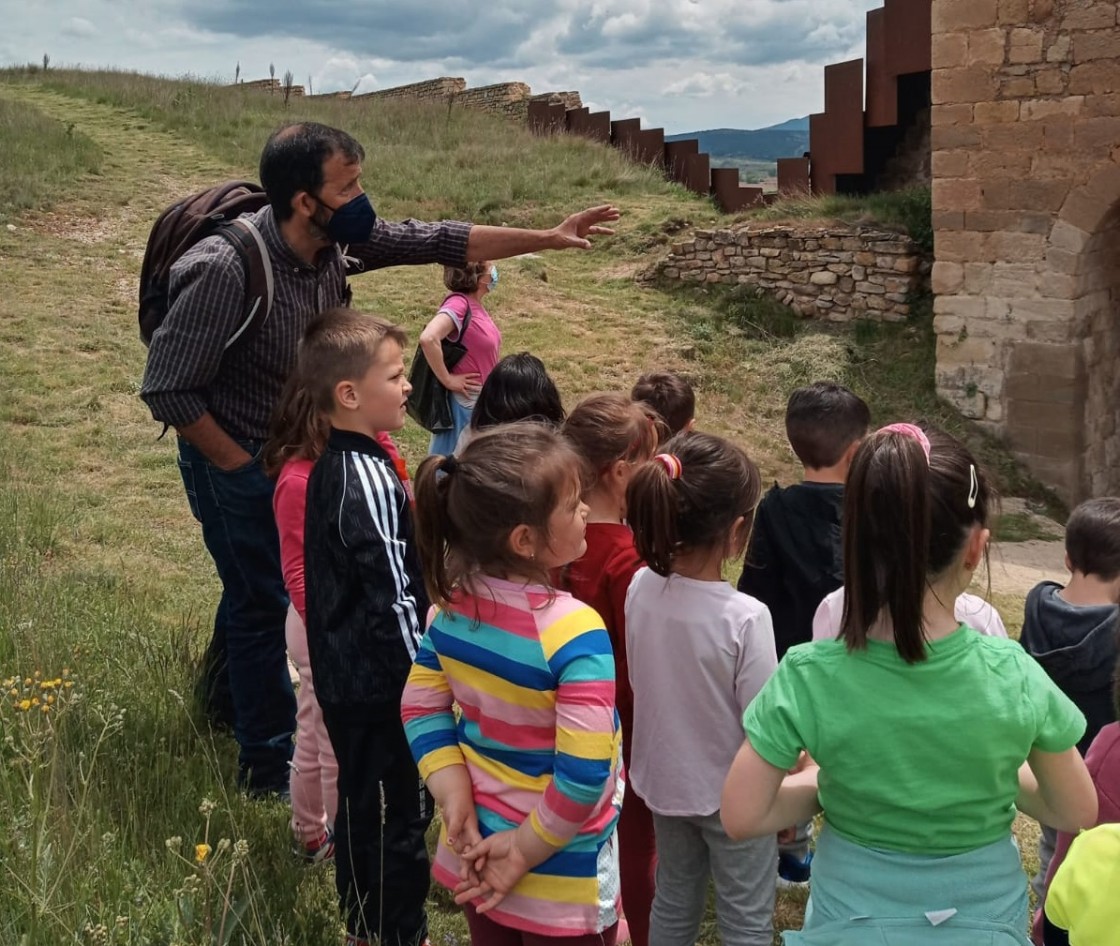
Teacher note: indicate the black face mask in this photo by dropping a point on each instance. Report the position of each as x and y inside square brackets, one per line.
[351, 223]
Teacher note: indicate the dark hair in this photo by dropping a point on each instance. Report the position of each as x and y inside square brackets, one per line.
[670, 395]
[1093, 538]
[464, 278]
[293, 159]
[466, 507]
[609, 427]
[823, 419]
[339, 346]
[518, 388]
[905, 522]
[718, 483]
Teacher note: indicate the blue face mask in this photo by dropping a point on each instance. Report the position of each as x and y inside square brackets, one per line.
[352, 222]
[493, 277]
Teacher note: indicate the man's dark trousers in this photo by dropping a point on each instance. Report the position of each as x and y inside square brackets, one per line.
[246, 656]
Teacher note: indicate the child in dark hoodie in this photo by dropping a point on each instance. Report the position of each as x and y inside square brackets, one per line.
[794, 559]
[1072, 631]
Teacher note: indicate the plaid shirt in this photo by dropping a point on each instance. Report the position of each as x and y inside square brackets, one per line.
[189, 371]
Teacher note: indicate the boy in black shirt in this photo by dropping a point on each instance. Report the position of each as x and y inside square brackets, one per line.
[366, 608]
[794, 558]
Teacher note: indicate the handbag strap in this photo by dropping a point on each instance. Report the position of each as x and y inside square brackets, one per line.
[466, 317]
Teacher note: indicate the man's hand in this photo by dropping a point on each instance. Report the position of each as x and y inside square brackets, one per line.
[574, 231]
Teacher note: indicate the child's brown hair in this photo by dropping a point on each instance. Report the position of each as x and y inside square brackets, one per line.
[690, 497]
[609, 427]
[467, 506]
[906, 518]
[339, 345]
[670, 395]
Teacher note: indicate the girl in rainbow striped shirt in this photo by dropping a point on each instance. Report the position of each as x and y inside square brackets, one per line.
[528, 778]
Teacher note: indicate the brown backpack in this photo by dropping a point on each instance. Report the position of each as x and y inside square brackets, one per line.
[216, 210]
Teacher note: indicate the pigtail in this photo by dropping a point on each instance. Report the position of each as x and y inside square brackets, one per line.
[652, 508]
[297, 428]
[886, 539]
[434, 528]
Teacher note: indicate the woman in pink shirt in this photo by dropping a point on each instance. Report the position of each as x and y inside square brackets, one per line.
[468, 286]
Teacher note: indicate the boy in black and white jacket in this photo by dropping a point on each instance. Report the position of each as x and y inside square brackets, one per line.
[366, 605]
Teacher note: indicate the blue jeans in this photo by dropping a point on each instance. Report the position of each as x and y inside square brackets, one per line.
[444, 443]
[246, 656]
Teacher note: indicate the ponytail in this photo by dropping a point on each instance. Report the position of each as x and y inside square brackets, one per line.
[690, 497]
[910, 500]
[434, 528]
[652, 511]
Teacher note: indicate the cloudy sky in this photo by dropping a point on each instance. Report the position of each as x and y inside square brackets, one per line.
[683, 64]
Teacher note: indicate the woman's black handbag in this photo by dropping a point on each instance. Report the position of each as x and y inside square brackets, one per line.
[429, 404]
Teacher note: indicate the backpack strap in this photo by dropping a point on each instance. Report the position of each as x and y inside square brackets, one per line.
[260, 289]
[466, 315]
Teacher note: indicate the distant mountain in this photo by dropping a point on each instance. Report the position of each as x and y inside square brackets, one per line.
[790, 139]
[794, 124]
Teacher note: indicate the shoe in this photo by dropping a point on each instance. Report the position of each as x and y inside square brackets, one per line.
[317, 851]
[794, 874]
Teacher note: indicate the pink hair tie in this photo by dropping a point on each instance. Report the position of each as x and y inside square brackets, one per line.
[911, 431]
[672, 465]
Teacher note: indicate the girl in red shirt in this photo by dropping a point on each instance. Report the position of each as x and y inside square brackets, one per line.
[614, 435]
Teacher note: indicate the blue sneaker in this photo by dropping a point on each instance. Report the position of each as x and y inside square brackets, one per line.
[794, 874]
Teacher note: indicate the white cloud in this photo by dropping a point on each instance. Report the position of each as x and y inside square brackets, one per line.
[704, 85]
[80, 27]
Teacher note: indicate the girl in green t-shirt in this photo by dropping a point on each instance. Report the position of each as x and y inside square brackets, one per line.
[917, 737]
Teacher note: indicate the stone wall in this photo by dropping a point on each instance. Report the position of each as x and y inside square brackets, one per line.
[433, 90]
[1026, 197]
[836, 273]
[510, 99]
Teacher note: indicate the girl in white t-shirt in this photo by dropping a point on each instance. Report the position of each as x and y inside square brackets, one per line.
[698, 651]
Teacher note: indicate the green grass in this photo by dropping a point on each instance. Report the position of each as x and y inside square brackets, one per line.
[102, 570]
[40, 157]
[423, 159]
[909, 210]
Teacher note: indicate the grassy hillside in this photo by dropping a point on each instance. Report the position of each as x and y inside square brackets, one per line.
[108, 781]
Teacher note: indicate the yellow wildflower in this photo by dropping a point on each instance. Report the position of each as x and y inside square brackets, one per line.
[25, 705]
[68, 684]
[9, 681]
[13, 692]
[45, 708]
[34, 701]
[50, 700]
[201, 852]
[37, 674]
[66, 671]
[27, 681]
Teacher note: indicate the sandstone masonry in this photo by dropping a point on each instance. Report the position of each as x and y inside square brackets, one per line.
[510, 99]
[836, 273]
[1026, 200]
